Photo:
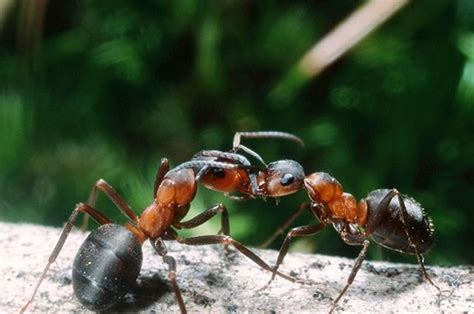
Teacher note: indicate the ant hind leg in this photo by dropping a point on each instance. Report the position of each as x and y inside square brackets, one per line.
[285, 225]
[307, 230]
[227, 240]
[419, 257]
[121, 204]
[84, 208]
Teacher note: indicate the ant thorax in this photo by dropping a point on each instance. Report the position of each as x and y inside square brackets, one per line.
[325, 190]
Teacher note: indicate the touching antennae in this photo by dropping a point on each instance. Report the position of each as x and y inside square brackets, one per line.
[199, 164]
[236, 146]
[221, 155]
[266, 134]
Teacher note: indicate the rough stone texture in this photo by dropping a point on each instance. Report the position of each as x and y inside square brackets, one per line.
[210, 282]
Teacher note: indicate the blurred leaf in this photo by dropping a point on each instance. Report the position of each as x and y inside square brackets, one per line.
[466, 45]
[12, 129]
[208, 65]
[122, 56]
[118, 84]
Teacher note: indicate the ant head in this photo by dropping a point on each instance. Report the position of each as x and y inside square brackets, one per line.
[283, 177]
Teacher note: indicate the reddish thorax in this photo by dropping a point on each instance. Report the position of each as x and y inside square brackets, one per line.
[324, 189]
[177, 189]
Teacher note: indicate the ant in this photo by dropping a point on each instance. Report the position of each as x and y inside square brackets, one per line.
[109, 260]
[393, 220]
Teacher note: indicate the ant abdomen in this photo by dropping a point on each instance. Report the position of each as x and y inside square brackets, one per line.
[391, 232]
[106, 266]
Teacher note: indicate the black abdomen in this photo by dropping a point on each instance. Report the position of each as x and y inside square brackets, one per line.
[106, 266]
[391, 231]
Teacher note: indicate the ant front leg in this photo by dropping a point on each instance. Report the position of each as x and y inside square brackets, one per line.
[84, 208]
[160, 174]
[239, 198]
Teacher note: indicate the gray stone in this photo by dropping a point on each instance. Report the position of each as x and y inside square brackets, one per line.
[212, 281]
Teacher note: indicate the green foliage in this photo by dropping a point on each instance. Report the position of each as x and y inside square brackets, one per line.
[116, 85]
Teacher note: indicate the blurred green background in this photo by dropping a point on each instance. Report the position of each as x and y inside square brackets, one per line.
[104, 89]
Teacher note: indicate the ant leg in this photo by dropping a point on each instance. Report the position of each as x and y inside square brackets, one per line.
[84, 208]
[419, 257]
[159, 245]
[250, 152]
[160, 174]
[238, 198]
[114, 197]
[227, 240]
[263, 134]
[121, 204]
[202, 172]
[355, 269]
[381, 210]
[205, 216]
[172, 277]
[200, 163]
[285, 225]
[295, 232]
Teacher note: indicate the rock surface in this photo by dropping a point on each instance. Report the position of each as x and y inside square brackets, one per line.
[214, 282]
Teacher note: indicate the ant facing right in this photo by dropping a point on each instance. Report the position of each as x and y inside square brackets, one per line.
[386, 216]
[109, 260]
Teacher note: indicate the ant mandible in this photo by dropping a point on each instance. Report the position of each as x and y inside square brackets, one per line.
[390, 218]
[109, 260]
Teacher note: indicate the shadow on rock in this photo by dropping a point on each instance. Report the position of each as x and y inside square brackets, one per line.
[147, 290]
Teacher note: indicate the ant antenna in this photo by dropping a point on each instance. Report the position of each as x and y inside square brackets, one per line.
[262, 134]
[200, 164]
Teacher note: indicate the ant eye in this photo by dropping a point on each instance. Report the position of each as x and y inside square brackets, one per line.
[218, 172]
[287, 179]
